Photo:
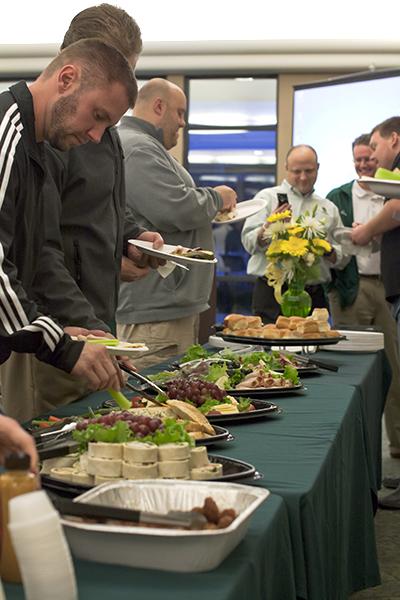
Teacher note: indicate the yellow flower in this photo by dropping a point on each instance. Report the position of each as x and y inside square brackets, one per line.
[276, 279]
[295, 246]
[286, 214]
[275, 247]
[296, 230]
[318, 243]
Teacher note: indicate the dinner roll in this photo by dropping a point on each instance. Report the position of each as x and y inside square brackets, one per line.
[295, 321]
[308, 327]
[282, 322]
[320, 314]
[271, 333]
[235, 321]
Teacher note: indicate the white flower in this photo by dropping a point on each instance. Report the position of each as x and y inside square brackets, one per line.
[313, 226]
[275, 229]
[309, 259]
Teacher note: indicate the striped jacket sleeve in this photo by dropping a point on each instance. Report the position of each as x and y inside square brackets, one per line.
[22, 328]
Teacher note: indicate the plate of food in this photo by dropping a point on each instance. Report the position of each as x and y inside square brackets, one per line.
[385, 183]
[276, 360]
[178, 254]
[230, 384]
[193, 464]
[242, 210]
[114, 346]
[314, 330]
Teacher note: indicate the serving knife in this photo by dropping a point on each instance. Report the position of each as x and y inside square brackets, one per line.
[186, 519]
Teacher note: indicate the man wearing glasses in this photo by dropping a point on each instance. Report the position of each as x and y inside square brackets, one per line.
[296, 193]
[357, 294]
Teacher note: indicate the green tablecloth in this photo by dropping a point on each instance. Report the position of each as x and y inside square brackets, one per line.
[322, 457]
[260, 568]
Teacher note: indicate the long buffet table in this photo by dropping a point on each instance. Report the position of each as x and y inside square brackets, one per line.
[314, 537]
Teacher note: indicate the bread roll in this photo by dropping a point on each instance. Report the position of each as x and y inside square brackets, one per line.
[320, 314]
[172, 452]
[282, 322]
[240, 332]
[211, 471]
[174, 469]
[308, 327]
[323, 326]
[258, 332]
[333, 333]
[136, 471]
[295, 321]
[269, 326]
[271, 333]
[286, 333]
[140, 452]
[254, 322]
[315, 335]
[235, 321]
[104, 450]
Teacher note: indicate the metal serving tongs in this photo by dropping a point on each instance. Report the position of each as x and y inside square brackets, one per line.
[145, 380]
[187, 519]
[311, 361]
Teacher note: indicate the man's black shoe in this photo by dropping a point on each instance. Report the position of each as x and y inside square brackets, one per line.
[391, 501]
[391, 482]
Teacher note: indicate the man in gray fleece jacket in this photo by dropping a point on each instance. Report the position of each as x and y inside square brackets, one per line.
[164, 312]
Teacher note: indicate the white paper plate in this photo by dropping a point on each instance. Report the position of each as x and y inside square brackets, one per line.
[165, 549]
[383, 187]
[244, 209]
[342, 235]
[167, 253]
[123, 350]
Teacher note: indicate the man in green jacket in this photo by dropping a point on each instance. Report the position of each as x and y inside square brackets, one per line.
[356, 293]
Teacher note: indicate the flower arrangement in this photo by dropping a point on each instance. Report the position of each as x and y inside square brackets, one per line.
[295, 249]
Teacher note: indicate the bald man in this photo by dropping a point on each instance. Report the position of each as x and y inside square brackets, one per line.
[296, 193]
[162, 196]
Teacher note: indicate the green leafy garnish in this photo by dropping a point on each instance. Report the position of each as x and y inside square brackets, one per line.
[195, 352]
[292, 374]
[119, 433]
[163, 376]
[243, 404]
[215, 372]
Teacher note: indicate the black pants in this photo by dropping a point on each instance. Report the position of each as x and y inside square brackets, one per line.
[265, 305]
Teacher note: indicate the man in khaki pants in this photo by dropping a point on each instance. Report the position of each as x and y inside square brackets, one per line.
[357, 294]
[77, 274]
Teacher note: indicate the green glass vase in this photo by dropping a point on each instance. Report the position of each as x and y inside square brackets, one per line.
[296, 302]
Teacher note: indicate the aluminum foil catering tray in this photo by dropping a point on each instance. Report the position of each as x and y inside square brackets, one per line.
[156, 548]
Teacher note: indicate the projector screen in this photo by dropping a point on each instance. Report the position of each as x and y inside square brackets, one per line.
[330, 115]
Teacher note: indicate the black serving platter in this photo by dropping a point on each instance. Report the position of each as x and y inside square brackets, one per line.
[263, 410]
[263, 392]
[233, 470]
[221, 435]
[281, 342]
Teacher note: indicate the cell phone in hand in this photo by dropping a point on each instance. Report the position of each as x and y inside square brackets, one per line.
[282, 199]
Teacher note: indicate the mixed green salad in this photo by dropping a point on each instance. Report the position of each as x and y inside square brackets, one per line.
[229, 370]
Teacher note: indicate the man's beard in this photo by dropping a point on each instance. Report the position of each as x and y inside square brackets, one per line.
[65, 107]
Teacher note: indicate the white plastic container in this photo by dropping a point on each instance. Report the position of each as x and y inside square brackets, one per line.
[165, 549]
